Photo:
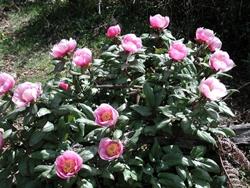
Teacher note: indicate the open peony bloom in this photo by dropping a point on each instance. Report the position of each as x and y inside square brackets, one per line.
[159, 22]
[177, 51]
[110, 149]
[7, 82]
[63, 85]
[68, 164]
[214, 44]
[82, 57]
[113, 31]
[1, 139]
[220, 61]
[204, 35]
[106, 115]
[63, 47]
[131, 43]
[212, 88]
[26, 93]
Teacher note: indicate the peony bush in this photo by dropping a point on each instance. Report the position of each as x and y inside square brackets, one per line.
[143, 113]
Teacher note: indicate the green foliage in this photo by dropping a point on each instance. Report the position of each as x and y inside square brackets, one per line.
[167, 127]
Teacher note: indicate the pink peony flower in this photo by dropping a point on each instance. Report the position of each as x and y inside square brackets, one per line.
[212, 88]
[26, 93]
[113, 31]
[1, 139]
[68, 164]
[131, 43]
[82, 57]
[63, 47]
[63, 85]
[110, 149]
[177, 51]
[214, 44]
[220, 61]
[7, 82]
[159, 22]
[204, 35]
[106, 115]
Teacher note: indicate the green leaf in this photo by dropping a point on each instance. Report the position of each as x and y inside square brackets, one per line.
[182, 172]
[134, 139]
[48, 127]
[88, 152]
[108, 55]
[149, 93]
[201, 174]
[207, 164]
[107, 175]
[225, 109]
[228, 131]
[118, 167]
[213, 114]
[137, 161]
[171, 180]
[13, 114]
[45, 154]
[142, 110]
[41, 168]
[94, 135]
[43, 111]
[198, 151]
[117, 134]
[88, 171]
[23, 167]
[148, 169]
[122, 107]
[83, 183]
[86, 121]
[36, 137]
[87, 110]
[7, 133]
[129, 174]
[206, 137]
[68, 109]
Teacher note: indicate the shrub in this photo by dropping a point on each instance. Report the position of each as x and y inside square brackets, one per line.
[145, 113]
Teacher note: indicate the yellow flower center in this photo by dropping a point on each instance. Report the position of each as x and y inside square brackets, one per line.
[113, 149]
[106, 116]
[68, 166]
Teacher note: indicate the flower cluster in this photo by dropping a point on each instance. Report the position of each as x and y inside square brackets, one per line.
[146, 86]
[208, 37]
